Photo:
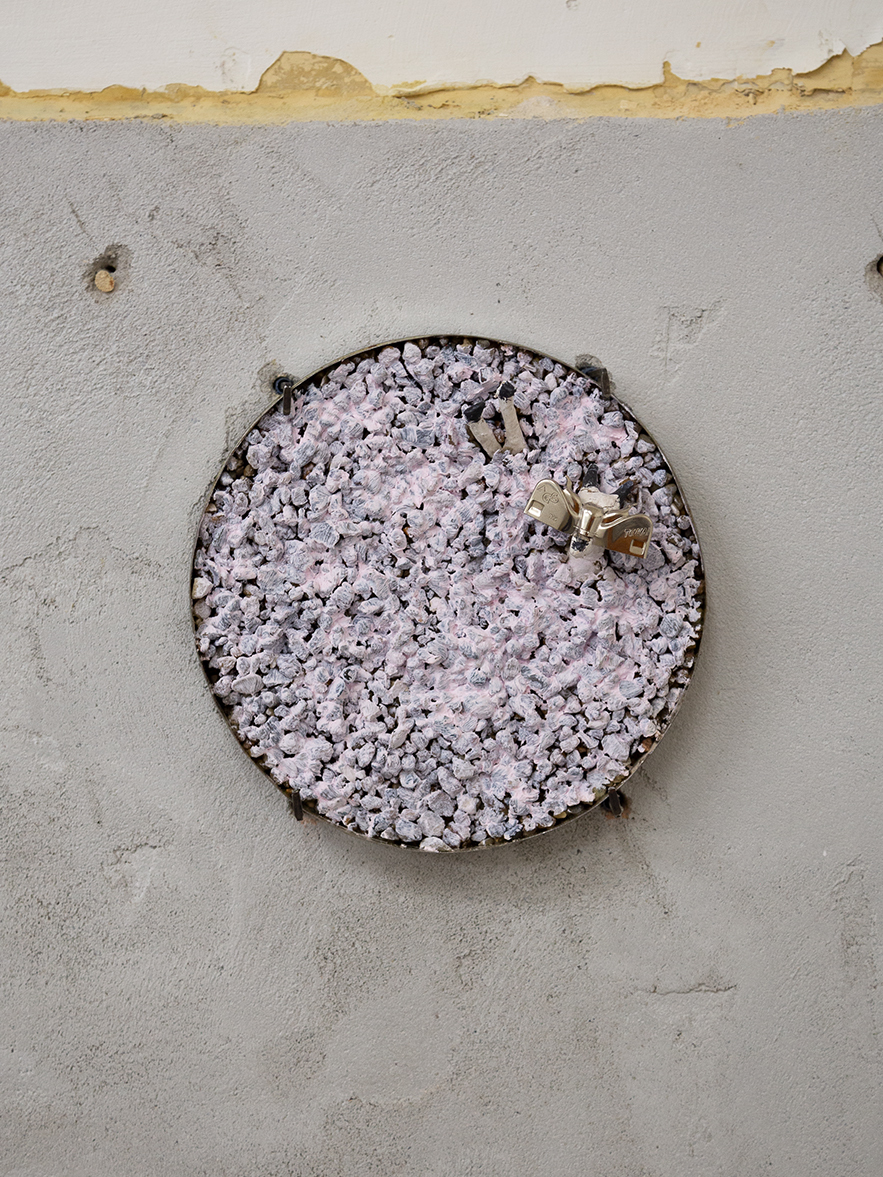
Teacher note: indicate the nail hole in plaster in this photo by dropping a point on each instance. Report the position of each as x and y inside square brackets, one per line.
[108, 271]
[874, 276]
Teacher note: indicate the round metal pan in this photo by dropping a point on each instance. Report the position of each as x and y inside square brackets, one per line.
[612, 800]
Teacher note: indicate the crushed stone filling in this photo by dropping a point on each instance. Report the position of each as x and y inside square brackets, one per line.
[397, 643]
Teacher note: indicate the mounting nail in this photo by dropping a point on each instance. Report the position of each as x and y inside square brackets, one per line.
[591, 477]
[296, 807]
[625, 490]
[284, 386]
[478, 428]
[613, 802]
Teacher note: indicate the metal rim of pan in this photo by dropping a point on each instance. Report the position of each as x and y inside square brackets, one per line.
[611, 798]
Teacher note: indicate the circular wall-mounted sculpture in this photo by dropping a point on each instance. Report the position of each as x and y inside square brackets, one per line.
[452, 598]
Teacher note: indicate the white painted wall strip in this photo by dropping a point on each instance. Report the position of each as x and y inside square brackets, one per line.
[225, 44]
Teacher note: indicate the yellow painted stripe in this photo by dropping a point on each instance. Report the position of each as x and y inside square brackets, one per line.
[301, 87]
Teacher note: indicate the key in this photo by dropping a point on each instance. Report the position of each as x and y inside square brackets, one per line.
[588, 523]
[629, 534]
[549, 504]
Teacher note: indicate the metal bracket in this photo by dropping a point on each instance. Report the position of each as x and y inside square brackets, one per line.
[592, 367]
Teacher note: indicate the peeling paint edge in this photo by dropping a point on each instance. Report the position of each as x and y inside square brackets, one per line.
[303, 87]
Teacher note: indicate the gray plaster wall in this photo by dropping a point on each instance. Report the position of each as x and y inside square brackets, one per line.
[192, 983]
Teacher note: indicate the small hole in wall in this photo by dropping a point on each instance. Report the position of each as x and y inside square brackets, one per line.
[874, 276]
[108, 272]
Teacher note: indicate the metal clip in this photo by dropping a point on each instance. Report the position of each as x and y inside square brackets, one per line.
[598, 374]
[514, 442]
[479, 429]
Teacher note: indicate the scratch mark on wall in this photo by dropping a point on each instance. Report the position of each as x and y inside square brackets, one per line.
[678, 329]
[131, 867]
[857, 938]
[857, 953]
[79, 221]
[700, 987]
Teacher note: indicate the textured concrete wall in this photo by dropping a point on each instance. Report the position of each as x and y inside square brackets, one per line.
[194, 984]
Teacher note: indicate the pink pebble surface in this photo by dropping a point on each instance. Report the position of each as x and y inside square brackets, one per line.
[397, 644]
